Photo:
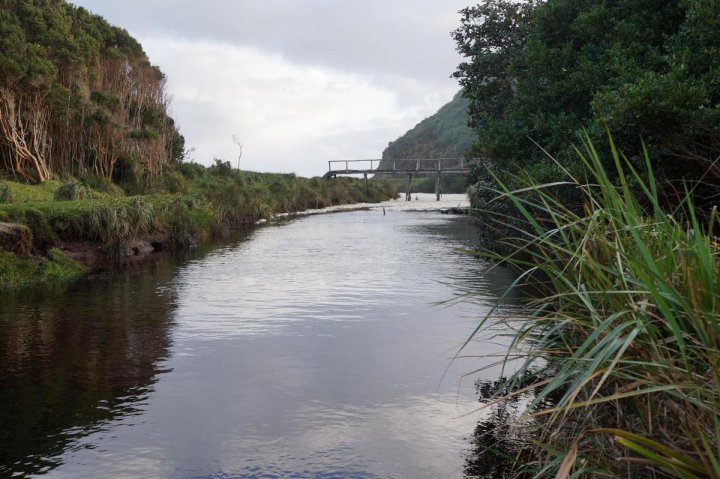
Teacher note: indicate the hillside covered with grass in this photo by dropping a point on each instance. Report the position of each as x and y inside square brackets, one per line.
[443, 135]
[43, 228]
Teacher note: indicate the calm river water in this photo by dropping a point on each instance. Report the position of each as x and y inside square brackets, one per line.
[313, 349]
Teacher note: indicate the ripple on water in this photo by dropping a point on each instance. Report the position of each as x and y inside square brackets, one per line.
[312, 349]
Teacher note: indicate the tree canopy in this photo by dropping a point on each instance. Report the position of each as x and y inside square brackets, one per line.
[648, 71]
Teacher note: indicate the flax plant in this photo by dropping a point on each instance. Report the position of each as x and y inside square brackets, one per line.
[624, 336]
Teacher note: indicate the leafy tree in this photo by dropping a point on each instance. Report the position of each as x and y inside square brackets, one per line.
[646, 70]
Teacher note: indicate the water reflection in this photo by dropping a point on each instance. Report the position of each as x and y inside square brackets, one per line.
[313, 349]
[74, 360]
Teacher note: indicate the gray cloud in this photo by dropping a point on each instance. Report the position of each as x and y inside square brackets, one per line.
[403, 37]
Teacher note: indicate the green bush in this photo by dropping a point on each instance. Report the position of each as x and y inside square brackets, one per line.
[190, 170]
[113, 224]
[221, 168]
[174, 182]
[105, 99]
[103, 185]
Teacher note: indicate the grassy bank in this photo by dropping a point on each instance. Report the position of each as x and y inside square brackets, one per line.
[624, 333]
[187, 204]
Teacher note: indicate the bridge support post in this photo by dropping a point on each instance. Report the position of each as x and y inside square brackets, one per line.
[366, 184]
[408, 193]
[437, 187]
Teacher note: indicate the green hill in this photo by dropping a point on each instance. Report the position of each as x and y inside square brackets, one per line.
[443, 135]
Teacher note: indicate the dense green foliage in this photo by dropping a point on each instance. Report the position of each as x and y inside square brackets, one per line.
[624, 331]
[537, 72]
[619, 347]
[78, 96]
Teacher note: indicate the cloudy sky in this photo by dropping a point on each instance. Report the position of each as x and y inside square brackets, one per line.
[300, 82]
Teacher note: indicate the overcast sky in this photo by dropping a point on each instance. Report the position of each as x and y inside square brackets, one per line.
[300, 82]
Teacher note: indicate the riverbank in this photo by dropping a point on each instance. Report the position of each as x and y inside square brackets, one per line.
[60, 230]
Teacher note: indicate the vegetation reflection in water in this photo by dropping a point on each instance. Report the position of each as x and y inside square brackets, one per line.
[65, 376]
[73, 359]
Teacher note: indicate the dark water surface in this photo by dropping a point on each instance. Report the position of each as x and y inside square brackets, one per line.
[307, 350]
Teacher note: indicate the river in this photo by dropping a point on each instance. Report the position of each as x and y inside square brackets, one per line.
[311, 349]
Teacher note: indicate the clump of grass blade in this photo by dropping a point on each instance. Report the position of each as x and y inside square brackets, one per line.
[114, 224]
[6, 194]
[72, 191]
[626, 328]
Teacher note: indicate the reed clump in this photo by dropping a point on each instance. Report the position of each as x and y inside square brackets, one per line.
[72, 191]
[113, 224]
[624, 335]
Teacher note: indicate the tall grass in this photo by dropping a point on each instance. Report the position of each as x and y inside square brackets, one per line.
[6, 194]
[113, 224]
[72, 191]
[624, 334]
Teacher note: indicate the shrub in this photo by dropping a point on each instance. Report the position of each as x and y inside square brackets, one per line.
[221, 168]
[105, 99]
[174, 182]
[113, 224]
[190, 170]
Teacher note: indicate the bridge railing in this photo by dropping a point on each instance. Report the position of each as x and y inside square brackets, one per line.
[357, 165]
[389, 166]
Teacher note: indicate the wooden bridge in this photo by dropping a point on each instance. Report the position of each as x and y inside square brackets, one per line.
[419, 167]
